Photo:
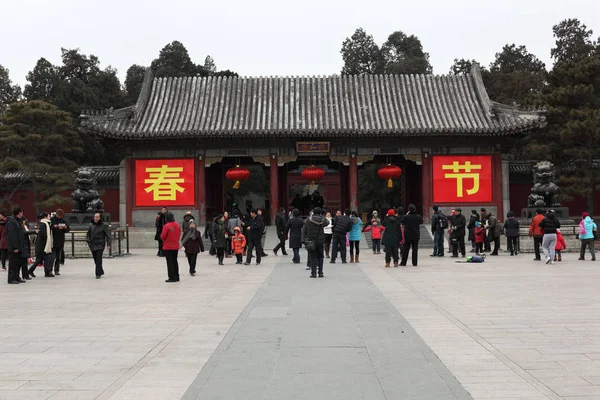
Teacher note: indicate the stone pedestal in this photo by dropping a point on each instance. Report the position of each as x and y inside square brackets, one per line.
[82, 220]
[562, 213]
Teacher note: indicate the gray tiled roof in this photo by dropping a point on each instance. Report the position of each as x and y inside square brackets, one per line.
[342, 106]
[526, 167]
[103, 174]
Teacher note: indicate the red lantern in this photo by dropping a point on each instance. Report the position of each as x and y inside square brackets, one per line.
[389, 172]
[313, 173]
[237, 174]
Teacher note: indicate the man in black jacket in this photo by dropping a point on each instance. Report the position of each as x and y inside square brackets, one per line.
[313, 236]
[60, 228]
[458, 223]
[412, 233]
[255, 228]
[280, 223]
[341, 226]
[159, 224]
[437, 230]
[16, 246]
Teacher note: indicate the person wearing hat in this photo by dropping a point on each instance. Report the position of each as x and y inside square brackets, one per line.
[375, 216]
[192, 244]
[392, 236]
[238, 242]
[586, 235]
[458, 224]
[185, 224]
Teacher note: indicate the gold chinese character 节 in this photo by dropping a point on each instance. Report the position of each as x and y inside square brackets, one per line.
[164, 182]
[466, 173]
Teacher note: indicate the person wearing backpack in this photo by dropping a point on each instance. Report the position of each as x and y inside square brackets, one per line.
[586, 235]
[439, 224]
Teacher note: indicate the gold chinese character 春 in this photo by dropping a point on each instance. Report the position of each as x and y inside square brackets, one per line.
[164, 182]
[466, 173]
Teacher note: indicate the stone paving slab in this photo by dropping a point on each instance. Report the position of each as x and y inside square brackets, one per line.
[510, 328]
[331, 338]
[127, 336]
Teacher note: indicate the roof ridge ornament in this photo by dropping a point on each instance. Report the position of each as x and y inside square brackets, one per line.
[142, 100]
[486, 103]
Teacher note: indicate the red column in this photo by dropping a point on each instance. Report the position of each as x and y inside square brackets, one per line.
[201, 188]
[353, 182]
[274, 198]
[426, 185]
[497, 185]
[130, 191]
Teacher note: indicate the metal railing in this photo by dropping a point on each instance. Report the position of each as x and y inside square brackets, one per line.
[76, 245]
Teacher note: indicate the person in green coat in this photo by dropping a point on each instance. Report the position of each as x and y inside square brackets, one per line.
[392, 236]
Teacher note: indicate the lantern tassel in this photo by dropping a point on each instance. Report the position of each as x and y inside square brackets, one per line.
[390, 183]
[236, 185]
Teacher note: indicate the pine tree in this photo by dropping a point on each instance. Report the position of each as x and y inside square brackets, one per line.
[40, 141]
[573, 98]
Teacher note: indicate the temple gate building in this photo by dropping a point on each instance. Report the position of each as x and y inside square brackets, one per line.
[183, 135]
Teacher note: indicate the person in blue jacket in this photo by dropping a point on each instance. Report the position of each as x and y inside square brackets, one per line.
[586, 234]
[354, 236]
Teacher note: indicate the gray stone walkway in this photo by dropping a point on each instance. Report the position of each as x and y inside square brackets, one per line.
[331, 338]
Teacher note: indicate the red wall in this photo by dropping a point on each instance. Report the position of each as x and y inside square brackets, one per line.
[24, 199]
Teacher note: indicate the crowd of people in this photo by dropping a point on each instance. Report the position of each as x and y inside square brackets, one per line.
[322, 234]
[19, 243]
[484, 229]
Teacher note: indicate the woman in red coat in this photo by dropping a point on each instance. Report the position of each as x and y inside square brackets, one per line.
[170, 236]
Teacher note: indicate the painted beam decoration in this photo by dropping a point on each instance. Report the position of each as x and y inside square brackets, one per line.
[462, 179]
[167, 182]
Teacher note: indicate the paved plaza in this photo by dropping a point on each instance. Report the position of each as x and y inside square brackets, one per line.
[510, 328]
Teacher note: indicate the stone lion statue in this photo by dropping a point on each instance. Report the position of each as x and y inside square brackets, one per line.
[86, 198]
[544, 191]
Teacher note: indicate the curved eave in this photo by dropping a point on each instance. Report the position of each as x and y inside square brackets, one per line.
[297, 134]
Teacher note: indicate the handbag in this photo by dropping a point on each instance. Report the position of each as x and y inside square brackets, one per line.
[595, 231]
[310, 245]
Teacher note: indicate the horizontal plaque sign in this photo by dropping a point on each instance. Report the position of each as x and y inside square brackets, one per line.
[312, 147]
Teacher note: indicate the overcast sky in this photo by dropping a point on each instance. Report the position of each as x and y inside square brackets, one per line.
[274, 37]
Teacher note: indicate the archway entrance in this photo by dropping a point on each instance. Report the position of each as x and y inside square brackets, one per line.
[302, 194]
[374, 193]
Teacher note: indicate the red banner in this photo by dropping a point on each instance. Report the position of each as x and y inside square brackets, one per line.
[167, 183]
[462, 179]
